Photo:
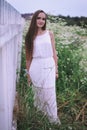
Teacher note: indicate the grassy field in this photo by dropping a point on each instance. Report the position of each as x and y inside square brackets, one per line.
[71, 46]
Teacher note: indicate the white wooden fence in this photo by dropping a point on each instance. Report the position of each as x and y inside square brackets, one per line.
[11, 28]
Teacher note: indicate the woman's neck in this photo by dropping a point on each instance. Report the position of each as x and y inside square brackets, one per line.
[40, 31]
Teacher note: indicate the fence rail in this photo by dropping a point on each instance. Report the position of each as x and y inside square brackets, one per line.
[11, 28]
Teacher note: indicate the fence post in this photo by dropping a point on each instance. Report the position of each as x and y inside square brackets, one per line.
[11, 28]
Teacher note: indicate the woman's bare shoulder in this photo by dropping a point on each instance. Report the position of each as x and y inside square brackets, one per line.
[51, 33]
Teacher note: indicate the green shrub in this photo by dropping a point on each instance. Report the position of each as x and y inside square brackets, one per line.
[71, 74]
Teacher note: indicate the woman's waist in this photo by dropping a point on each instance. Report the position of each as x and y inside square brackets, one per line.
[42, 57]
[44, 61]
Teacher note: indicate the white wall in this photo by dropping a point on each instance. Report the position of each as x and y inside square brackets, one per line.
[11, 28]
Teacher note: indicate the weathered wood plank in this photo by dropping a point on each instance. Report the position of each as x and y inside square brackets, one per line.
[11, 28]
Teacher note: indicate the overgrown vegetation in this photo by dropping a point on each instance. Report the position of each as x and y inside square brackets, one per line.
[71, 87]
[70, 21]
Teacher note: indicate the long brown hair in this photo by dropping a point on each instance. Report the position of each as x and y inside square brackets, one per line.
[32, 32]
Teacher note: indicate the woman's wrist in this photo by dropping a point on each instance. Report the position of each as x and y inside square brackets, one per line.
[56, 69]
[56, 72]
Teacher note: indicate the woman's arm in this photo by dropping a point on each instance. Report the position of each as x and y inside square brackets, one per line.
[54, 52]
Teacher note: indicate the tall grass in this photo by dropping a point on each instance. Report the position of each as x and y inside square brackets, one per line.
[71, 87]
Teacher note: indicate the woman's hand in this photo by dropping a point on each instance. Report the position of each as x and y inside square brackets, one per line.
[57, 75]
[57, 72]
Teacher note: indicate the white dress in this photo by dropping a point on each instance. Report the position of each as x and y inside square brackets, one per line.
[42, 73]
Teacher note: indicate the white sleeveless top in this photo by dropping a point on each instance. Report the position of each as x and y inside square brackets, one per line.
[43, 46]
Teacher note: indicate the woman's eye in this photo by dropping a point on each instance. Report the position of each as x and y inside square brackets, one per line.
[43, 19]
[40, 18]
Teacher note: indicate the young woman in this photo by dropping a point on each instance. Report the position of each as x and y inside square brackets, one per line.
[41, 64]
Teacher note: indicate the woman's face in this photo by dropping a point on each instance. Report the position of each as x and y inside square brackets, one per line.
[41, 19]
